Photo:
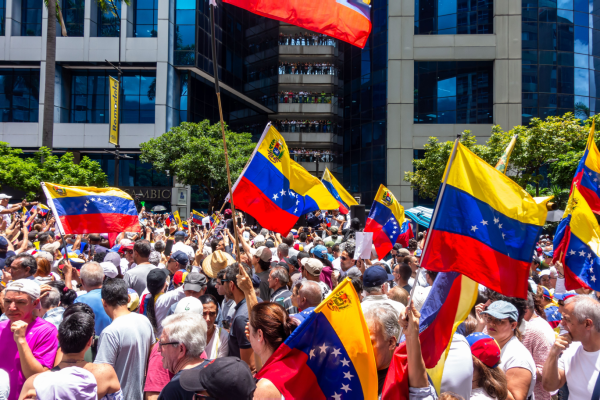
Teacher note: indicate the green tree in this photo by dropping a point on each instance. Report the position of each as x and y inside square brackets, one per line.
[193, 153]
[26, 173]
[429, 171]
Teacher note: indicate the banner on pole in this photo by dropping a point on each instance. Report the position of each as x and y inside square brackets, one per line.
[114, 111]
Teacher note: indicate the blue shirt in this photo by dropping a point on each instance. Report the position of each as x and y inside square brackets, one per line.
[94, 300]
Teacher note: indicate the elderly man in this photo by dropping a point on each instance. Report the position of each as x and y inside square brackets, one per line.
[384, 329]
[181, 343]
[376, 285]
[51, 310]
[92, 277]
[278, 280]
[28, 343]
[578, 366]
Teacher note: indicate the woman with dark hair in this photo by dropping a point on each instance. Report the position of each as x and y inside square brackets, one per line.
[489, 381]
[217, 338]
[269, 327]
[351, 232]
[67, 296]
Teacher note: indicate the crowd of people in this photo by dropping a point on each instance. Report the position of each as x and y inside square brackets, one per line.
[293, 125]
[313, 155]
[307, 68]
[306, 97]
[306, 39]
[167, 313]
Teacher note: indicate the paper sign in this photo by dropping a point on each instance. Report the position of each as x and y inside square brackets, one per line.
[364, 242]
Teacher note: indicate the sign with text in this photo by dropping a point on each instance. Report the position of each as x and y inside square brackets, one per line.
[114, 111]
[149, 193]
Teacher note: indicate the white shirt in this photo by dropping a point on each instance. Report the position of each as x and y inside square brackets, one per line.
[4, 385]
[515, 355]
[458, 369]
[480, 394]
[375, 300]
[218, 345]
[163, 304]
[581, 370]
[180, 246]
[5, 217]
[337, 264]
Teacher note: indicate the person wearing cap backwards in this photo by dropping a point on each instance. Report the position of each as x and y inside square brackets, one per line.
[28, 343]
[194, 285]
[577, 365]
[501, 320]
[215, 380]
[180, 245]
[92, 277]
[489, 381]
[126, 342]
[376, 285]
[261, 261]
[136, 277]
[311, 270]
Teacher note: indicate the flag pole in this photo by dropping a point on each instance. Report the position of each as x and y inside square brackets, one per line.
[213, 3]
[432, 222]
[55, 213]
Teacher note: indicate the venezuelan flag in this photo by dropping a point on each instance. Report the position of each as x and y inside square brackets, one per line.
[406, 233]
[502, 164]
[169, 219]
[184, 225]
[347, 20]
[587, 176]
[276, 190]
[42, 210]
[91, 209]
[385, 221]
[329, 355]
[197, 217]
[448, 304]
[338, 192]
[577, 243]
[486, 226]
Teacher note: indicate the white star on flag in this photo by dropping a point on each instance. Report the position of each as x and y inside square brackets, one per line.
[110, 204]
[483, 222]
[591, 269]
[346, 388]
[336, 352]
[295, 210]
[106, 201]
[474, 228]
[572, 252]
[85, 209]
[589, 255]
[593, 278]
[582, 253]
[499, 226]
[282, 192]
[114, 209]
[345, 362]
[348, 375]
[312, 353]
[323, 348]
[590, 173]
[496, 220]
[503, 236]
[335, 395]
[275, 196]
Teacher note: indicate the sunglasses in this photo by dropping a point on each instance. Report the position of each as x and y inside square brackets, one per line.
[343, 258]
[225, 280]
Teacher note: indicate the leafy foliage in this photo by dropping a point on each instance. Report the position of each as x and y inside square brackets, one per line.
[193, 153]
[26, 173]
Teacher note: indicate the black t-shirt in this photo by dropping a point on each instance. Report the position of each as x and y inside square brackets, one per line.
[265, 292]
[381, 374]
[237, 332]
[174, 391]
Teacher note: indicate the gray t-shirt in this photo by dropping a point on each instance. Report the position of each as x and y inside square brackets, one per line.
[136, 277]
[125, 344]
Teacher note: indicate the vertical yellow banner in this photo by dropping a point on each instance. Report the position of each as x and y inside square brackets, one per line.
[178, 219]
[114, 111]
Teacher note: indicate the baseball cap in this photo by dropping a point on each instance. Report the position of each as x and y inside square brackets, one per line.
[179, 234]
[134, 300]
[227, 211]
[292, 260]
[24, 286]
[125, 247]
[263, 252]
[194, 281]
[3, 243]
[259, 238]
[312, 266]
[549, 253]
[333, 229]
[215, 378]
[109, 269]
[565, 296]
[485, 348]
[179, 277]
[189, 304]
[353, 272]
[156, 279]
[547, 293]
[502, 309]
[299, 247]
[319, 251]
[269, 244]
[4, 196]
[180, 257]
[51, 247]
[376, 276]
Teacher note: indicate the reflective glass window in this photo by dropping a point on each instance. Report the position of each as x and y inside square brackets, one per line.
[31, 17]
[449, 17]
[19, 94]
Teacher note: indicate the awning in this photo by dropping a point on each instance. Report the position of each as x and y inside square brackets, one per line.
[420, 215]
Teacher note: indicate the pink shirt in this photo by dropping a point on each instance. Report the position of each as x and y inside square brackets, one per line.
[157, 376]
[42, 338]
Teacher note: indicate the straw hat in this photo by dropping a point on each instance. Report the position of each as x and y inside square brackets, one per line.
[216, 262]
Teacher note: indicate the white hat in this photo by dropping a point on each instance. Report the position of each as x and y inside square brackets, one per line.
[25, 286]
[544, 272]
[4, 196]
[68, 383]
[312, 266]
[259, 238]
[125, 242]
[189, 304]
[263, 252]
[51, 247]
[109, 269]
[44, 254]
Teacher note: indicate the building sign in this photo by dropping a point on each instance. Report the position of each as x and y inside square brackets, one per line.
[114, 111]
[162, 193]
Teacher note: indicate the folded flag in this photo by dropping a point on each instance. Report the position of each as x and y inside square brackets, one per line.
[486, 226]
[385, 221]
[177, 219]
[184, 225]
[553, 316]
[169, 220]
[275, 189]
[502, 164]
[329, 355]
[587, 176]
[347, 20]
[338, 192]
[91, 209]
[197, 217]
[406, 233]
[448, 304]
[42, 210]
[577, 243]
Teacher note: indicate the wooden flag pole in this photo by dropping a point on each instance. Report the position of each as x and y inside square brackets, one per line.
[218, 92]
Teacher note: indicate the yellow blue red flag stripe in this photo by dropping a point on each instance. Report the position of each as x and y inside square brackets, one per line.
[486, 226]
[91, 209]
[329, 355]
[386, 220]
[338, 192]
[587, 176]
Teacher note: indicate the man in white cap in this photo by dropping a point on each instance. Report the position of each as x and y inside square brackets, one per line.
[6, 210]
[29, 344]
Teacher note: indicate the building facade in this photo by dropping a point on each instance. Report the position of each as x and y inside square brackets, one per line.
[429, 68]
